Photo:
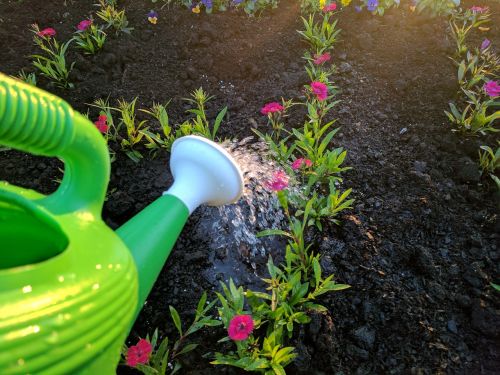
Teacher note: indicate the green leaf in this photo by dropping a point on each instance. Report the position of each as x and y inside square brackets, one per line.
[218, 121]
[187, 349]
[201, 304]
[299, 293]
[273, 232]
[317, 271]
[177, 367]
[176, 318]
[284, 355]
[278, 370]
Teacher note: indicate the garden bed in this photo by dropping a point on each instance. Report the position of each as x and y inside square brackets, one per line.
[419, 248]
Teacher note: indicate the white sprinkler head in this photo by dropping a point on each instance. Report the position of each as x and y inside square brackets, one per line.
[204, 173]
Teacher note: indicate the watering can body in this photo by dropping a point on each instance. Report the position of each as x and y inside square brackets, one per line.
[70, 313]
[68, 283]
[70, 287]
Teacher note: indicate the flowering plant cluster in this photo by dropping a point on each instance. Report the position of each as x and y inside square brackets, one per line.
[152, 356]
[89, 37]
[131, 133]
[113, 18]
[262, 324]
[249, 6]
[377, 6]
[51, 62]
[476, 110]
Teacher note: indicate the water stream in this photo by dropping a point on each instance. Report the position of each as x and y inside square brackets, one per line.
[234, 251]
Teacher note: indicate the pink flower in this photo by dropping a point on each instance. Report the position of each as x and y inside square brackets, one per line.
[476, 9]
[485, 44]
[278, 182]
[298, 163]
[240, 327]
[330, 8]
[101, 125]
[320, 59]
[492, 88]
[320, 90]
[84, 25]
[47, 32]
[271, 108]
[139, 353]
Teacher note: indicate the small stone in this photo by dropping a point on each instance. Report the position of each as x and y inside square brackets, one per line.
[365, 337]
[345, 67]
[381, 116]
[420, 166]
[191, 72]
[452, 326]
[252, 122]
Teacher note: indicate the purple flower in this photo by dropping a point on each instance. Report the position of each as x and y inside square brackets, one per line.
[153, 17]
[358, 9]
[237, 2]
[207, 3]
[371, 5]
[486, 43]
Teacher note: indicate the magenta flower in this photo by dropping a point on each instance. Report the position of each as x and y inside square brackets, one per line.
[320, 90]
[330, 8]
[101, 124]
[139, 353]
[84, 25]
[240, 327]
[320, 59]
[47, 32]
[492, 88]
[298, 163]
[278, 182]
[272, 108]
[476, 9]
[485, 44]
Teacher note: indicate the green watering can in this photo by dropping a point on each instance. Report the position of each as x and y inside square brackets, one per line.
[70, 287]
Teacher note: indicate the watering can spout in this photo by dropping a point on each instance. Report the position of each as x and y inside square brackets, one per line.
[204, 173]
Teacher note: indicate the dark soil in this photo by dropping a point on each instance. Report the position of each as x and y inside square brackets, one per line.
[421, 246]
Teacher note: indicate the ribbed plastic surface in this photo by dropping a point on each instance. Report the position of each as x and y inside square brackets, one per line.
[33, 120]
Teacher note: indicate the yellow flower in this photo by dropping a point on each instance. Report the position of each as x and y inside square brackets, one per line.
[412, 8]
[322, 3]
[196, 9]
[153, 20]
[345, 2]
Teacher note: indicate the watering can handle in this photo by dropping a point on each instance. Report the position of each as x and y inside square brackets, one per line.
[37, 122]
